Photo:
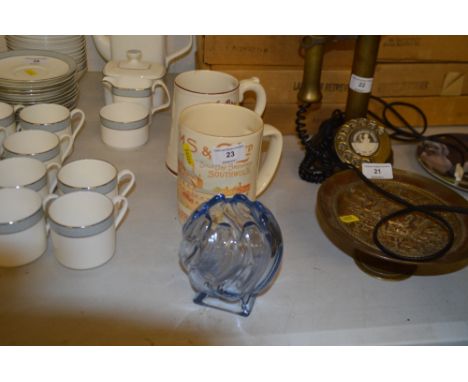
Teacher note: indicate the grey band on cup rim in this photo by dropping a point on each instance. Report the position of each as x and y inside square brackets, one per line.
[43, 157]
[114, 125]
[53, 127]
[22, 224]
[82, 231]
[7, 121]
[102, 189]
[134, 93]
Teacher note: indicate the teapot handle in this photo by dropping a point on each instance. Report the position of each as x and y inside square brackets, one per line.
[180, 52]
[103, 46]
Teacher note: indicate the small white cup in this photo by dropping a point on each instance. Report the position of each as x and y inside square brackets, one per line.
[94, 175]
[42, 145]
[27, 172]
[7, 121]
[125, 125]
[83, 227]
[23, 235]
[136, 90]
[51, 117]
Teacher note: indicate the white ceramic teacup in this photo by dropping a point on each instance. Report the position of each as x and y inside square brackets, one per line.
[136, 90]
[17, 172]
[83, 227]
[94, 175]
[51, 117]
[42, 145]
[7, 121]
[207, 86]
[23, 235]
[125, 125]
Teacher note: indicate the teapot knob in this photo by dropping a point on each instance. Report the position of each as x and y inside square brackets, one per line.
[134, 55]
[134, 61]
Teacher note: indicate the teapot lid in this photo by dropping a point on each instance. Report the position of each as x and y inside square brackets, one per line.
[135, 67]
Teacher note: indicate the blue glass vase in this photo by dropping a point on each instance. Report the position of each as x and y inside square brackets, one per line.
[231, 251]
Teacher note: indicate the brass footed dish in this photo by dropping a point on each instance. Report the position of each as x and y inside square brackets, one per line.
[348, 210]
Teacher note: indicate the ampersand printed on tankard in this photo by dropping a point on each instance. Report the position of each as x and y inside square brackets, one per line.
[206, 152]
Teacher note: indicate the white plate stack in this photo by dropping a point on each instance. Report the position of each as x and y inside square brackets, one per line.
[74, 46]
[28, 77]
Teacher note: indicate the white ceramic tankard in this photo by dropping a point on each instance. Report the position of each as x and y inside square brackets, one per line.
[220, 151]
[207, 86]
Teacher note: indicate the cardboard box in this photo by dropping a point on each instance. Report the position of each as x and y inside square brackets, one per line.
[268, 50]
[283, 116]
[423, 48]
[390, 80]
[440, 111]
[415, 79]
[282, 85]
[285, 50]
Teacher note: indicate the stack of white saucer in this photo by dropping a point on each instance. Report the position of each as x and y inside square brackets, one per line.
[28, 77]
[74, 46]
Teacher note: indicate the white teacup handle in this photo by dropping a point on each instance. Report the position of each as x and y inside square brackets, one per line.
[121, 203]
[272, 157]
[16, 110]
[161, 83]
[53, 166]
[78, 127]
[68, 150]
[18, 107]
[126, 174]
[253, 84]
[45, 206]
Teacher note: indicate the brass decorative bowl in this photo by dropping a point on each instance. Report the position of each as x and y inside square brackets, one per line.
[348, 210]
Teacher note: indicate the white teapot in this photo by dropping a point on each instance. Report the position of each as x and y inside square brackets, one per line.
[153, 48]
